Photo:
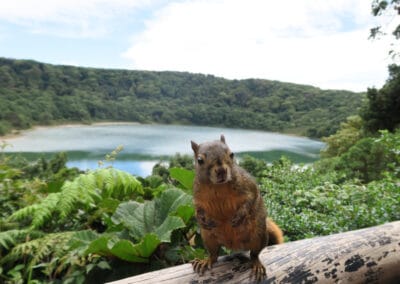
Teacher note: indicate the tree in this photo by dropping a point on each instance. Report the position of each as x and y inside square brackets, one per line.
[382, 110]
[340, 142]
[383, 8]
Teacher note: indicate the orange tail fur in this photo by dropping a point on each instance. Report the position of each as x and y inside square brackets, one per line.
[275, 235]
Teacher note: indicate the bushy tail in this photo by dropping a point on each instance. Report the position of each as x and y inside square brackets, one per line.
[275, 235]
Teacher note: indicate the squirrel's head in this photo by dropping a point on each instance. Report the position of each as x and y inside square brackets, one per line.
[213, 161]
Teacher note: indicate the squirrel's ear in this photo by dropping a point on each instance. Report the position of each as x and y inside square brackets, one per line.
[223, 138]
[195, 147]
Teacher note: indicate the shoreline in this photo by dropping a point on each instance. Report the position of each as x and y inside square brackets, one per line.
[19, 133]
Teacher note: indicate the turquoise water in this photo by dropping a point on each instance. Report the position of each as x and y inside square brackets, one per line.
[145, 145]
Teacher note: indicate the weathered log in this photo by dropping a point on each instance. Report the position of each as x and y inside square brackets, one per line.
[369, 255]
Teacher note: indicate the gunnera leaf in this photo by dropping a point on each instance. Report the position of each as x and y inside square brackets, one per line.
[140, 252]
[186, 212]
[110, 245]
[154, 216]
[183, 176]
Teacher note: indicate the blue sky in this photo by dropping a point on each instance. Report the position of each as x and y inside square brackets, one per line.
[317, 42]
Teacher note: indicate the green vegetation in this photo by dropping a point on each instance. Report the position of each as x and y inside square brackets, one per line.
[96, 221]
[61, 225]
[382, 110]
[34, 93]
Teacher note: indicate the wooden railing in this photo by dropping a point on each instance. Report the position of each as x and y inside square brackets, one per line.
[370, 255]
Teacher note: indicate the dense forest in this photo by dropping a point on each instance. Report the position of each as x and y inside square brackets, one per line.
[34, 93]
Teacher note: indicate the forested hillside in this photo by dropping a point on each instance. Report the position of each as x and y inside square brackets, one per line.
[36, 93]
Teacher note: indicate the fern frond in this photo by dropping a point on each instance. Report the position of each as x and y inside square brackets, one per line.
[25, 212]
[52, 244]
[130, 184]
[87, 190]
[11, 237]
[119, 184]
[80, 190]
[45, 211]
[68, 198]
[85, 187]
[111, 181]
[38, 249]
[40, 212]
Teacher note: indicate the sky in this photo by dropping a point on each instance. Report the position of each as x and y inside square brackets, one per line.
[323, 43]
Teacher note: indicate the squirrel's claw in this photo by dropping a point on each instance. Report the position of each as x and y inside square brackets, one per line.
[201, 265]
[258, 270]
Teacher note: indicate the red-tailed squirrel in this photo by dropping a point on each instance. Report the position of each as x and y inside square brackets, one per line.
[229, 208]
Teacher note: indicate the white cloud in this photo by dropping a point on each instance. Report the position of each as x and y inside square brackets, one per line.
[67, 18]
[322, 43]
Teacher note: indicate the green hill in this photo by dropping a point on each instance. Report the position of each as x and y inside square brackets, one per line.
[34, 93]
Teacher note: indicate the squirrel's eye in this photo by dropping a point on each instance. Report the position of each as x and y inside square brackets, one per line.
[200, 160]
[231, 155]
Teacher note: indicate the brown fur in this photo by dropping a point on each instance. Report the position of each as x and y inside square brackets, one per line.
[275, 235]
[229, 207]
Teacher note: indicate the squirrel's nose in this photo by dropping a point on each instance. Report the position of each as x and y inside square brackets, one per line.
[221, 174]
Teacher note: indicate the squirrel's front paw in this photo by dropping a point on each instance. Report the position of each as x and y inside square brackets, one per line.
[204, 222]
[238, 219]
[201, 265]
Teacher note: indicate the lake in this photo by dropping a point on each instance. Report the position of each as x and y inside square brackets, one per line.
[145, 145]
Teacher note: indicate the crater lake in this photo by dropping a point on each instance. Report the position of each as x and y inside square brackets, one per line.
[144, 145]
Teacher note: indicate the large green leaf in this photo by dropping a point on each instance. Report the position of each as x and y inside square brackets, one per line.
[90, 242]
[170, 224]
[99, 246]
[110, 245]
[82, 239]
[183, 176]
[169, 201]
[127, 214]
[186, 212]
[154, 216]
[126, 250]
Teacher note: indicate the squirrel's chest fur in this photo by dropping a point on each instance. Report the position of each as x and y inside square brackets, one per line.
[220, 203]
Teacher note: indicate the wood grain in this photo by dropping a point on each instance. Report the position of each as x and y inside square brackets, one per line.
[370, 255]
